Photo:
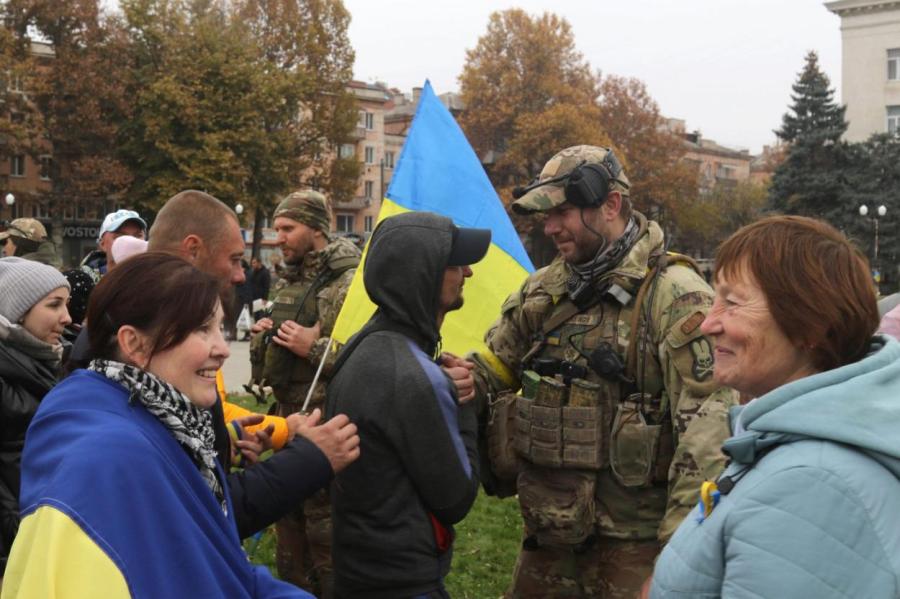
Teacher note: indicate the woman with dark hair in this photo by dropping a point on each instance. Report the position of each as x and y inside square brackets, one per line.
[32, 318]
[121, 493]
[807, 506]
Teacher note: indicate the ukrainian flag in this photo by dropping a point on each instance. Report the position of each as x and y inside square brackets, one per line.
[439, 172]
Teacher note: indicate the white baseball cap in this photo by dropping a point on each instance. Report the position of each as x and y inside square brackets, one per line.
[116, 219]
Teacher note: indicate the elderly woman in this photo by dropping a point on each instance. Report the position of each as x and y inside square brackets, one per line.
[32, 318]
[122, 495]
[808, 506]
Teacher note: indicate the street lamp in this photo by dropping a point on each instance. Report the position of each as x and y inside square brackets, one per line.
[239, 208]
[10, 201]
[879, 213]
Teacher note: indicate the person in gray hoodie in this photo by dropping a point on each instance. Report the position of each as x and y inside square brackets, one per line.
[393, 510]
[807, 506]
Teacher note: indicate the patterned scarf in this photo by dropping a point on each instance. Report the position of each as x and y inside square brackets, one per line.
[582, 276]
[190, 425]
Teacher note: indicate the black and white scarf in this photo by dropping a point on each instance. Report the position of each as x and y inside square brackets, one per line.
[583, 276]
[191, 426]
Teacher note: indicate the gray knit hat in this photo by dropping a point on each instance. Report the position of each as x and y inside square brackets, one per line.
[24, 283]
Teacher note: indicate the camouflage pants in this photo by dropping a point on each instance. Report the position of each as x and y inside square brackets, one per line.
[610, 568]
[303, 546]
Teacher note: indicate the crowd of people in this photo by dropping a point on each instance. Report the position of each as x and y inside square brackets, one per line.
[662, 437]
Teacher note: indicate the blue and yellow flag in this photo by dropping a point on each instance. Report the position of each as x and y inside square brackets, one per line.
[439, 172]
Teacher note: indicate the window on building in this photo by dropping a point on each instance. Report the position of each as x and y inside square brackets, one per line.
[725, 171]
[14, 83]
[368, 223]
[389, 159]
[17, 165]
[368, 188]
[893, 119]
[893, 58]
[370, 155]
[366, 119]
[45, 168]
[38, 210]
[345, 223]
[347, 151]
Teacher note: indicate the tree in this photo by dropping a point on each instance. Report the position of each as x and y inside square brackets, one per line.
[80, 95]
[873, 180]
[708, 221]
[22, 126]
[528, 93]
[653, 154]
[246, 100]
[306, 43]
[812, 178]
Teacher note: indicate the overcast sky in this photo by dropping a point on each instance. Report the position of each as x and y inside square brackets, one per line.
[724, 66]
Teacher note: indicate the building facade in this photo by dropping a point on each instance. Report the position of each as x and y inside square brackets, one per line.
[870, 65]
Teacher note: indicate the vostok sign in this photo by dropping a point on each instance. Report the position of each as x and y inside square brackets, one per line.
[80, 232]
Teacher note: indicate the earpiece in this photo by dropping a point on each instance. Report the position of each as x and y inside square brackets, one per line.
[586, 185]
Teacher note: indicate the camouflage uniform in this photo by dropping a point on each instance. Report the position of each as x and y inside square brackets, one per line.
[595, 514]
[311, 292]
[33, 231]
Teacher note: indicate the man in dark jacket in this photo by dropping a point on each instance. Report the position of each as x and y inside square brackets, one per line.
[260, 282]
[417, 475]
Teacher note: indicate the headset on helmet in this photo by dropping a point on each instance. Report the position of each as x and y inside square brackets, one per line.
[587, 185]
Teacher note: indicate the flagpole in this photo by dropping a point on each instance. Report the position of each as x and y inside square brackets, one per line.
[312, 386]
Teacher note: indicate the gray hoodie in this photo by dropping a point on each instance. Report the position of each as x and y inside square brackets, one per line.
[417, 475]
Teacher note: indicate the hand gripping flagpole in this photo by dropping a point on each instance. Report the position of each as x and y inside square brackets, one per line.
[312, 386]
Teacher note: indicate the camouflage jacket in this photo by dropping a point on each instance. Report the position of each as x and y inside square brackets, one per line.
[329, 299]
[674, 365]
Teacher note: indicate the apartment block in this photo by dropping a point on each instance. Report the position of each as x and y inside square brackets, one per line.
[870, 65]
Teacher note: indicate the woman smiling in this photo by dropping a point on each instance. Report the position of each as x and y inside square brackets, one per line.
[807, 506]
[121, 493]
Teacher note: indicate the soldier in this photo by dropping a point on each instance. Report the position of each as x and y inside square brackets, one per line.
[619, 420]
[27, 238]
[319, 269]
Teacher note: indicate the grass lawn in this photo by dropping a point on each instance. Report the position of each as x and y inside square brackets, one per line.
[484, 553]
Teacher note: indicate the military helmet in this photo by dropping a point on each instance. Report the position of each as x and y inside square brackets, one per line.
[582, 175]
[26, 228]
[308, 207]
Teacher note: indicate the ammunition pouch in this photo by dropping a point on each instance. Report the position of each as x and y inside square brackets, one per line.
[557, 505]
[635, 456]
[559, 435]
[501, 429]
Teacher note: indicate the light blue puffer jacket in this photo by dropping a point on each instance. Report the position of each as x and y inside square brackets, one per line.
[818, 515]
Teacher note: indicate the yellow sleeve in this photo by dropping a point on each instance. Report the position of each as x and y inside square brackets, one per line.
[233, 411]
[53, 558]
[279, 436]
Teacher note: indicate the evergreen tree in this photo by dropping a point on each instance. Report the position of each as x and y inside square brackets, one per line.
[873, 181]
[812, 179]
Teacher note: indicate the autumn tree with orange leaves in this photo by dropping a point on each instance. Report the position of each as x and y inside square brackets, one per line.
[528, 92]
[653, 153]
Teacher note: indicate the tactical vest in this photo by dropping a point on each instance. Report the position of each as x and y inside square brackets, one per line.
[287, 373]
[593, 443]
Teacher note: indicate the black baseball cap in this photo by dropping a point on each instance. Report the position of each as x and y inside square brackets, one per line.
[469, 245]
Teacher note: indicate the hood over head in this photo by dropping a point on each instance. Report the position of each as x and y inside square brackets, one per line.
[855, 405]
[405, 265]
